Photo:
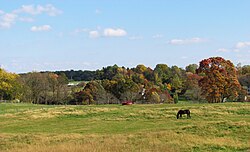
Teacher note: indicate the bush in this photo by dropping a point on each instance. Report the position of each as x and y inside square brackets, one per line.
[176, 99]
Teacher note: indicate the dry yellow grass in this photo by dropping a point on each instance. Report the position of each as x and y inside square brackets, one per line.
[152, 141]
[45, 113]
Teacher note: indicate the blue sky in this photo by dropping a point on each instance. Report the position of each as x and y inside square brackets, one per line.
[91, 34]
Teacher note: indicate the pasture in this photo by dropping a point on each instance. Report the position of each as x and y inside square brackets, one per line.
[153, 127]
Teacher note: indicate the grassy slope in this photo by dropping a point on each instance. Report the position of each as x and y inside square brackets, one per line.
[213, 127]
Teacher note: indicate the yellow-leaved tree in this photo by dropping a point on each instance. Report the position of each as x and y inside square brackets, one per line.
[9, 86]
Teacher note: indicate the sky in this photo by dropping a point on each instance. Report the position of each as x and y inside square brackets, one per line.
[52, 35]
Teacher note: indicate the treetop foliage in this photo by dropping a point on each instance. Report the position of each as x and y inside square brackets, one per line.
[220, 79]
[214, 79]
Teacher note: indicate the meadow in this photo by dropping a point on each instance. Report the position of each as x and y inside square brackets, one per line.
[151, 127]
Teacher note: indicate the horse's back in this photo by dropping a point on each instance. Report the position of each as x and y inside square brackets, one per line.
[186, 111]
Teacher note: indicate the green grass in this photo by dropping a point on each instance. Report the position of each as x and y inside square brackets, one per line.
[213, 127]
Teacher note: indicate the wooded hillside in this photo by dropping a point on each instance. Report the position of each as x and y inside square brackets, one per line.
[213, 80]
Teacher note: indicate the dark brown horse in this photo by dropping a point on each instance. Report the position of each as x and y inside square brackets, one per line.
[181, 112]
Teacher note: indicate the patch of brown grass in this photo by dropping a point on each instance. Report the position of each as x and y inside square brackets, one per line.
[167, 141]
[92, 143]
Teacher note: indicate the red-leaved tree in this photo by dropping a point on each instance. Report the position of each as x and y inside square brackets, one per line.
[219, 79]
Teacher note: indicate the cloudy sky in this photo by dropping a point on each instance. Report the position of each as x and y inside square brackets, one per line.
[91, 34]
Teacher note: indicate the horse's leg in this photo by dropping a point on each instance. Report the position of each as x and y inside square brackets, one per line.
[177, 115]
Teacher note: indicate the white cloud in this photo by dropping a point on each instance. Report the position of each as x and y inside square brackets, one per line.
[109, 32]
[26, 19]
[240, 45]
[40, 28]
[239, 52]
[94, 34]
[27, 9]
[157, 36]
[186, 41]
[222, 50]
[7, 20]
[135, 37]
[35, 10]
[51, 10]
[100, 32]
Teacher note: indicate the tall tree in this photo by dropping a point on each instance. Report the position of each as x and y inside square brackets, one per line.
[219, 79]
[37, 87]
[45, 88]
[162, 73]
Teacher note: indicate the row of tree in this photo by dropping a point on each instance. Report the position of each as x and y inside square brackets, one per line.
[34, 87]
[214, 80]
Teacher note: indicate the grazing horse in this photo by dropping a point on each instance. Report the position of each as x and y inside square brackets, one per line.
[181, 112]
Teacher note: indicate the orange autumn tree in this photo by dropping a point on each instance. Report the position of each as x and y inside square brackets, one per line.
[219, 79]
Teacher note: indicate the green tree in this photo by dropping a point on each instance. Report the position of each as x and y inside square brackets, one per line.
[149, 74]
[140, 68]
[131, 91]
[110, 91]
[191, 68]
[246, 69]
[245, 80]
[176, 84]
[138, 78]
[162, 73]
[177, 80]
[176, 71]
[109, 72]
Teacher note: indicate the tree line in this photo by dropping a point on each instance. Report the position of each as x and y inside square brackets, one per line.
[213, 80]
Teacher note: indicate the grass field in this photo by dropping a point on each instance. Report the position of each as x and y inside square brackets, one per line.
[213, 127]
